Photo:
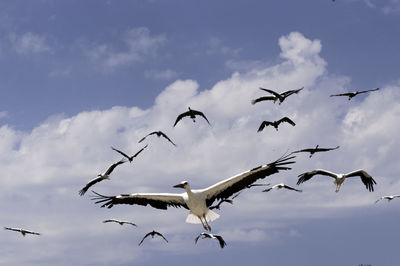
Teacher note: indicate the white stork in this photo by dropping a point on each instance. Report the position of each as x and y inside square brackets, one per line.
[118, 221]
[339, 178]
[203, 235]
[192, 114]
[353, 94]
[280, 186]
[388, 198]
[130, 158]
[22, 231]
[198, 201]
[152, 234]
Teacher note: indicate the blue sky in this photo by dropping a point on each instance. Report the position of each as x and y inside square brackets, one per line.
[78, 77]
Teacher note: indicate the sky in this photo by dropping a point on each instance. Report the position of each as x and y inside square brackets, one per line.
[77, 77]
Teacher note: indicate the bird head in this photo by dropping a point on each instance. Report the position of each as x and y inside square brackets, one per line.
[183, 184]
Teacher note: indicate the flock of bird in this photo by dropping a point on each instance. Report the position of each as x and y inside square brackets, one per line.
[200, 202]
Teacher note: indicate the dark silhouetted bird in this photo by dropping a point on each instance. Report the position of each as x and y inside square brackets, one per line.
[22, 231]
[203, 235]
[275, 124]
[192, 114]
[152, 234]
[276, 96]
[339, 178]
[100, 177]
[352, 94]
[159, 134]
[130, 158]
[312, 151]
[118, 221]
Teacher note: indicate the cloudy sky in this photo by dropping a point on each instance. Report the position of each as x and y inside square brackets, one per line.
[77, 77]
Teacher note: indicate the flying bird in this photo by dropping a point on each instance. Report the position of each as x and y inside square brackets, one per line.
[118, 221]
[312, 151]
[152, 234]
[218, 205]
[158, 134]
[100, 177]
[192, 114]
[203, 235]
[275, 124]
[22, 231]
[276, 96]
[130, 158]
[388, 198]
[198, 201]
[353, 94]
[339, 178]
[279, 186]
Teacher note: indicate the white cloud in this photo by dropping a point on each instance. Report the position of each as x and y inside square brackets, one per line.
[29, 43]
[139, 44]
[44, 169]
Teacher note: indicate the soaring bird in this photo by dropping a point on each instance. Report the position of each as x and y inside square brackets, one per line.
[275, 124]
[218, 205]
[100, 177]
[353, 94]
[388, 198]
[316, 149]
[118, 221]
[159, 134]
[198, 201]
[279, 186]
[152, 234]
[203, 235]
[130, 158]
[276, 96]
[339, 178]
[22, 231]
[192, 114]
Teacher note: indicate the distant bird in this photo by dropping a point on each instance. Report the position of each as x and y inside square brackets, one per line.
[118, 221]
[152, 234]
[130, 158]
[192, 114]
[388, 198]
[100, 177]
[159, 134]
[275, 124]
[353, 94]
[279, 186]
[316, 149]
[198, 201]
[339, 178]
[217, 206]
[22, 231]
[276, 96]
[203, 235]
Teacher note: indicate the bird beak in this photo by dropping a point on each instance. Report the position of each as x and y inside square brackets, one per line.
[179, 185]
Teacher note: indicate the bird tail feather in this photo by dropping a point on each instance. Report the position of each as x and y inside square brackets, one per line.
[210, 216]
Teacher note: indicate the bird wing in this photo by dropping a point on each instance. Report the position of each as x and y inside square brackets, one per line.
[221, 241]
[229, 186]
[326, 149]
[264, 98]
[110, 221]
[365, 178]
[304, 150]
[264, 124]
[157, 233]
[12, 229]
[267, 190]
[359, 92]
[181, 116]
[197, 238]
[201, 114]
[136, 154]
[308, 175]
[31, 232]
[146, 235]
[342, 94]
[112, 167]
[381, 198]
[290, 92]
[120, 152]
[165, 136]
[291, 188]
[155, 200]
[286, 119]
[277, 95]
[88, 185]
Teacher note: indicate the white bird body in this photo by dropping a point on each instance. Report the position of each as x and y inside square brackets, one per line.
[198, 201]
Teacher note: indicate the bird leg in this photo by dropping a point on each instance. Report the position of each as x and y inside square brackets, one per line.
[206, 226]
